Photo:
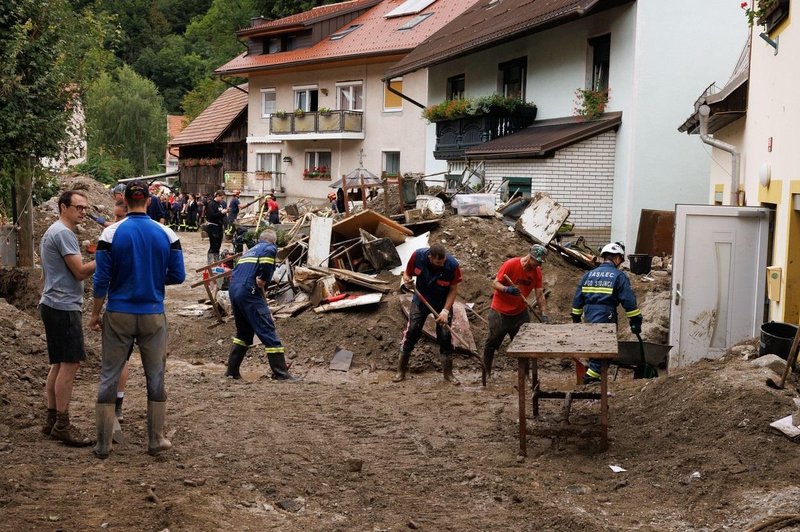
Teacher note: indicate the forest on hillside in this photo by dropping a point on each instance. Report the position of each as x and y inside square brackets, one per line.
[126, 63]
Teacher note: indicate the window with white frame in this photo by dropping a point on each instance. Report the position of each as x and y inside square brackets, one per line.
[268, 162]
[350, 96]
[391, 101]
[391, 162]
[268, 102]
[318, 165]
[306, 98]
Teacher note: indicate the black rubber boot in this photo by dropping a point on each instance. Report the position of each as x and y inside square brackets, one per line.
[49, 422]
[118, 409]
[402, 367]
[447, 370]
[488, 360]
[235, 359]
[277, 364]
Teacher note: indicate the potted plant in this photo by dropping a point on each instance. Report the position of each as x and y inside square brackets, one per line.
[324, 111]
[483, 105]
[279, 114]
[590, 103]
[299, 113]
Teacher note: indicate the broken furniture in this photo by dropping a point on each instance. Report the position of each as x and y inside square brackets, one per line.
[579, 340]
[208, 277]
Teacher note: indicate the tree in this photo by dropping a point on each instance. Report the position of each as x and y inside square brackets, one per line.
[125, 117]
[201, 97]
[174, 68]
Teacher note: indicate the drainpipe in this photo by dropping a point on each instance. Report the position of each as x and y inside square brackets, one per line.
[704, 112]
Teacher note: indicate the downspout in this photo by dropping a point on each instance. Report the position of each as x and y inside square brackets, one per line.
[704, 112]
[388, 83]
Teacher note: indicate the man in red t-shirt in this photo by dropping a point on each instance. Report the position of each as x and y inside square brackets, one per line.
[509, 311]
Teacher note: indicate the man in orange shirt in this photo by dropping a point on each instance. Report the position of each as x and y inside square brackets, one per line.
[509, 311]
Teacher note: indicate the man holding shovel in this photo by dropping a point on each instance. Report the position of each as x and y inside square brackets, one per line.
[438, 275]
[515, 280]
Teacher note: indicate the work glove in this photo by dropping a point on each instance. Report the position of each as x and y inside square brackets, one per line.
[442, 317]
[513, 290]
[98, 219]
[576, 318]
[545, 318]
[636, 324]
[407, 284]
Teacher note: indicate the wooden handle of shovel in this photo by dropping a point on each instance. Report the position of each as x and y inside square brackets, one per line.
[527, 304]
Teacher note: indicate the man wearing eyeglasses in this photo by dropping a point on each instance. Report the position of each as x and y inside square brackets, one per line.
[60, 306]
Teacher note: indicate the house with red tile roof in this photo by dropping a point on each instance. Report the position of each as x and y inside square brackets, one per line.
[317, 103]
[174, 127]
[644, 57]
[213, 144]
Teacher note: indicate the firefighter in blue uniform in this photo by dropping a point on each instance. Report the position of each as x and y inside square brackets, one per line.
[599, 293]
[251, 275]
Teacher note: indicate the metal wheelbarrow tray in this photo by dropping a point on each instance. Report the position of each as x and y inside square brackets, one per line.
[630, 356]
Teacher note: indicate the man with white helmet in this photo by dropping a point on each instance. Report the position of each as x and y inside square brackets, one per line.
[509, 311]
[598, 294]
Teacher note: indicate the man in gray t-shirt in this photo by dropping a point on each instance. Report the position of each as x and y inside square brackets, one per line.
[61, 307]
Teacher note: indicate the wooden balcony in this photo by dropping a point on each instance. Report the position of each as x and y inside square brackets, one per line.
[455, 136]
[327, 125]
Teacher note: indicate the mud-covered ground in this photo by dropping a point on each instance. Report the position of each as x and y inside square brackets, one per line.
[353, 451]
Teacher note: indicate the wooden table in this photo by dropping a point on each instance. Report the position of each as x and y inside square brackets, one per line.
[575, 340]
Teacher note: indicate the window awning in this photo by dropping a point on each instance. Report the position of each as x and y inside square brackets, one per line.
[544, 138]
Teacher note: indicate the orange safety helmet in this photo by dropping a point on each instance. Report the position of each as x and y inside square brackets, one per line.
[331, 196]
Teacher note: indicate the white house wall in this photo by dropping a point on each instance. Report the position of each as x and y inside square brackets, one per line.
[402, 131]
[773, 113]
[580, 176]
[662, 53]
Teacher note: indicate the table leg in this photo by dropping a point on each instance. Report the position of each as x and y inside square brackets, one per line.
[522, 371]
[535, 387]
[604, 404]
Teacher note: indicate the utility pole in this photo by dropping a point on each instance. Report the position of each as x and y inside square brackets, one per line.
[23, 181]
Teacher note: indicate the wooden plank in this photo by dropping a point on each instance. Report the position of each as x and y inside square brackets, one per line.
[542, 218]
[588, 340]
[352, 301]
[367, 220]
[319, 245]
[386, 231]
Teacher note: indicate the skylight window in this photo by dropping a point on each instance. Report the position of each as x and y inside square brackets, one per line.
[409, 7]
[414, 21]
[345, 32]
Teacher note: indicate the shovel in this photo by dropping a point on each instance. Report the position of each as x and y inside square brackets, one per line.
[527, 304]
[790, 360]
[647, 371]
[454, 333]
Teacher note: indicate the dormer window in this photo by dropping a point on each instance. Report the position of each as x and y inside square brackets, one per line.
[414, 21]
[409, 7]
[345, 32]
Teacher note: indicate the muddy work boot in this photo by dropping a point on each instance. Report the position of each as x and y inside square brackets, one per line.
[235, 359]
[447, 371]
[488, 360]
[49, 422]
[280, 372]
[156, 440]
[402, 367]
[106, 420]
[68, 433]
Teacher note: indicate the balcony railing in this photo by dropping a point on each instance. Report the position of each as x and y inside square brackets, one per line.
[455, 136]
[330, 122]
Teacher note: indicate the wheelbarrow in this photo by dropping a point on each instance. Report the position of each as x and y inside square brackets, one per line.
[644, 358]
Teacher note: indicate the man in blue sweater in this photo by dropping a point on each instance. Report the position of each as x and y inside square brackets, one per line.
[136, 258]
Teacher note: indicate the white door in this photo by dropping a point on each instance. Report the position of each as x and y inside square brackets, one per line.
[718, 279]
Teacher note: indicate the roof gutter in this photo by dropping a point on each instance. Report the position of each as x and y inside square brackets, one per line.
[704, 113]
[389, 88]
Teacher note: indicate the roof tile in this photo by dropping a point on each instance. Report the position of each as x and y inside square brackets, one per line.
[377, 36]
[215, 119]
